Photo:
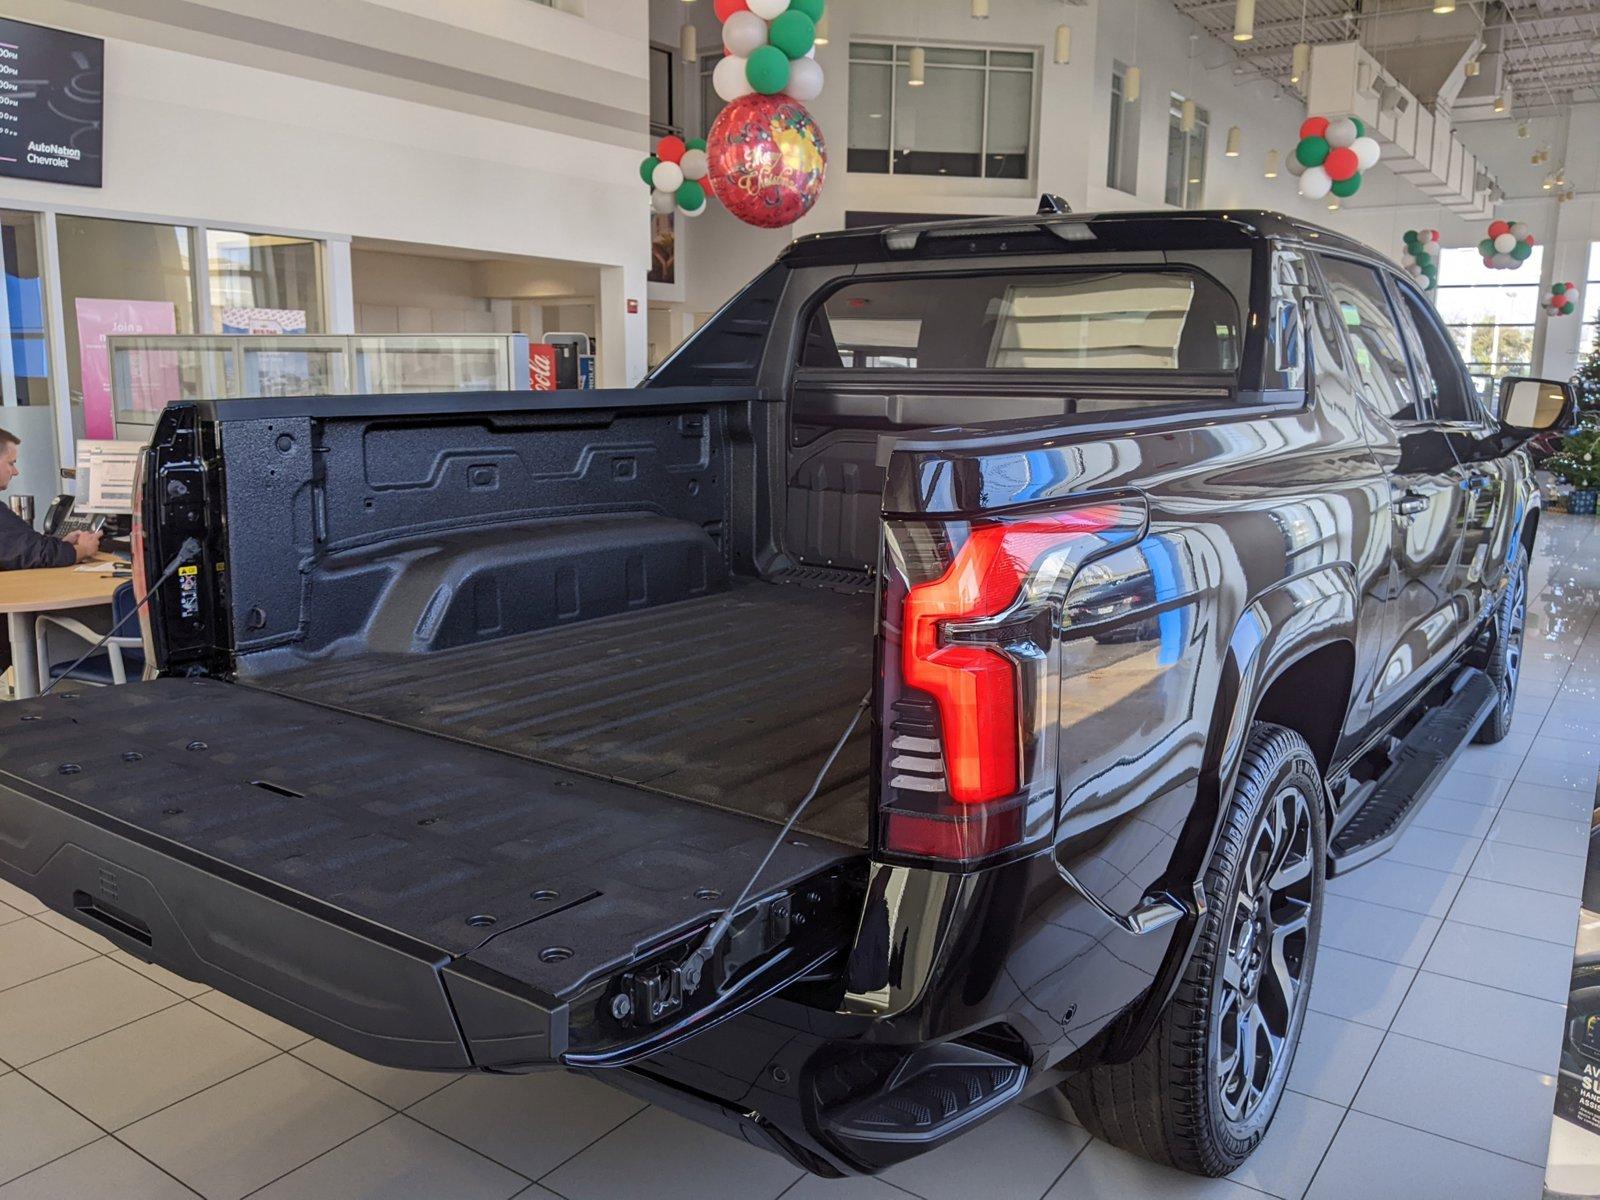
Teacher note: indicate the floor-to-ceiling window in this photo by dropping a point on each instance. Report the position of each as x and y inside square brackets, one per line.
[25, 408]
[1491, 313]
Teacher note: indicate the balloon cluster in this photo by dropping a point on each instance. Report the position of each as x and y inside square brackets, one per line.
[676, 173]
[1562, 300]
[1331, 155]
[1507, 247]
[771, 49]
[1421, 257]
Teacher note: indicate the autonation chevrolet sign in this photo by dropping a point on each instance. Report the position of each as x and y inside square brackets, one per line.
[51, 104]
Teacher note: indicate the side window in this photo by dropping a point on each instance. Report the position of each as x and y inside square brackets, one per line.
[1439, 365]
[1375, 341]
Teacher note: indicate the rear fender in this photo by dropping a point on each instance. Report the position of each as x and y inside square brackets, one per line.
[1281, 627]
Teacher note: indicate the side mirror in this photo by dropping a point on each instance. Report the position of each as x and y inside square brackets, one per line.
[1535, 405]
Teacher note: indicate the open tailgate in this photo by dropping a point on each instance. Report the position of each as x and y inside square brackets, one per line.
[414, 900]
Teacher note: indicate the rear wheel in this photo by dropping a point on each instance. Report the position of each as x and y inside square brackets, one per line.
[1505, 657]
[1202, 1092]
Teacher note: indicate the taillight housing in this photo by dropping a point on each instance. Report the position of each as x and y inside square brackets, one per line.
[969, 685]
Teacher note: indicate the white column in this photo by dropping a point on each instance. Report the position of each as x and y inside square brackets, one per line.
[624, 336]
[55, 328]
[339, 285]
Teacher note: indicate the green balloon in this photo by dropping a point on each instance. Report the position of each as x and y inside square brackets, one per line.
[1567, 308]
[1361, 126]
[1558, 289]
[1521, 251]
[1412, 236]
[793, 32]
[1486, 247]
[691, 196]
[696, 144]
[1312, 151]
[647, 169]
[768, 70]
[811, 8]
[1344, 188]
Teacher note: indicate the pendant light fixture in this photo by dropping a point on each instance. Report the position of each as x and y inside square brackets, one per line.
[1232, 149]
[1522, 129]
[689, 42]
[1472, 68]
[1186, 120]
[1272, 164]
[918, 74]
[1500, 104]
[1244, 20]
[1300, 62]
[1444, 6]
[822, 29]
[980, 10]
[1063, 45]
[1130, 86]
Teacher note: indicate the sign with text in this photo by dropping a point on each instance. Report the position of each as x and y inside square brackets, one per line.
[154, 377]
[52, 104]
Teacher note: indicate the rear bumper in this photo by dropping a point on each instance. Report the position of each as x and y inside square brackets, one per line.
[350, 982]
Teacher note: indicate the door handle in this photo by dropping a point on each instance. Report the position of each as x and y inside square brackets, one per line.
[1410, 505]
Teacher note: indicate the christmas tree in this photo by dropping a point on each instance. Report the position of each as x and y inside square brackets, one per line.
[1578, 460]
[1586, 383]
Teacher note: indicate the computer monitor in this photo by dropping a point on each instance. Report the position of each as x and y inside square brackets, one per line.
[105, 476]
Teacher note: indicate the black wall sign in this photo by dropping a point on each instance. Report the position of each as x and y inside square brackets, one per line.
[51, 104]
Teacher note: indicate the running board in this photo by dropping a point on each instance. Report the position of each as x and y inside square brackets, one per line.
[1417, 766]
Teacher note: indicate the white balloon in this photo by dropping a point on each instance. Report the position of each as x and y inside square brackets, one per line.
[1505, 243]
[1342, 132]
[1519, 230]
[805, 79]
[767, 10]
[744, 33]
[667, 177]
[1407, 261]
[663, 202]
[1294, 165]
[691, 213]
[694, 164]
[730, 80]
[1315, 183]
[1367, 152]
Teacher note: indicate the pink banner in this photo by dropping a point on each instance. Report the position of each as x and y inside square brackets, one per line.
[154, 383]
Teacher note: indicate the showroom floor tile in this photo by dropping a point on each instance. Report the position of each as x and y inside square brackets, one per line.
[1424, 1068]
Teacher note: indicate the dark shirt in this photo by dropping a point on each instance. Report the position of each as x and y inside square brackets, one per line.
[22, 548]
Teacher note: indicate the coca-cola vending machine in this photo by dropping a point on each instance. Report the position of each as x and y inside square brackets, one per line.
[555, 364]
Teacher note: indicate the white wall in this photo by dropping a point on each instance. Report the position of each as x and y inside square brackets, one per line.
[412, 293]
[202, 138]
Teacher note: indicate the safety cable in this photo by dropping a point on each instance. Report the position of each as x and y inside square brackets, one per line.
[188, 552]
[695, 963]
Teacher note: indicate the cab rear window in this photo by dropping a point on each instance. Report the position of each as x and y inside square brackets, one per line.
[1175, 319]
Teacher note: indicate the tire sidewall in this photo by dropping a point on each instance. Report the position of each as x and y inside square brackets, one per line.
[1237, 1140]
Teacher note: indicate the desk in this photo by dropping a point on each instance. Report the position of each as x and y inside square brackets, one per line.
[25, 594]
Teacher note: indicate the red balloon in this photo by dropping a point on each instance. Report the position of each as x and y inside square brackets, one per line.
[768, 160]
[1496, 228]
[705, 186]
[1341, 163]
[1314, 127]
[671, 149]
[726, 8]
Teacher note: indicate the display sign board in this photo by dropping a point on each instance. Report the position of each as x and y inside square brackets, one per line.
[52, 104]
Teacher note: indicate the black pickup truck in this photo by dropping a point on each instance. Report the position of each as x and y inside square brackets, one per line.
[952, 674]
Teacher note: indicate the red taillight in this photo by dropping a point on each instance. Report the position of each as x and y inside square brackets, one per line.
[966, 715]
[975, 685]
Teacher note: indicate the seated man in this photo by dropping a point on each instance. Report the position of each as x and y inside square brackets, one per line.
[21, 547]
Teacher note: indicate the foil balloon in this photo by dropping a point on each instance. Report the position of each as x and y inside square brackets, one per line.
[768, 160]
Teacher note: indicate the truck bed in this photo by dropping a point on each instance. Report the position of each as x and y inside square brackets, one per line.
[732, 700]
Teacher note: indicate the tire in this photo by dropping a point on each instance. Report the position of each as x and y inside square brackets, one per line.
[1504, 667]
[1184, 1099]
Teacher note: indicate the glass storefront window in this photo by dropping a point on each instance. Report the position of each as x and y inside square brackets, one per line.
[25, 360]
[264, 283]
[117, 277]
